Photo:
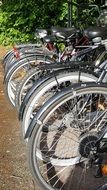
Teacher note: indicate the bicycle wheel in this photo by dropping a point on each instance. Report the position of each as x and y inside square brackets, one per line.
[8, 57]
[62, 142]
[18, 71]
[24, 86]
[48, 89]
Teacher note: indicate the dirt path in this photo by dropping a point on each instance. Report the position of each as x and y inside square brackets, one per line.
[14, 172]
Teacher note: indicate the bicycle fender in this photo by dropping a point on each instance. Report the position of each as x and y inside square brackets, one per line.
[38, 118]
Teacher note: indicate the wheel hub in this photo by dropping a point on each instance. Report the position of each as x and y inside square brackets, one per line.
[87, 145]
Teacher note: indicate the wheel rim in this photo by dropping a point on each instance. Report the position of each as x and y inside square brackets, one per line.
[18, 75]
[64, 142]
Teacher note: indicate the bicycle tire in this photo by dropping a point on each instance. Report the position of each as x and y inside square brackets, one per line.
[15, 68]
[38, 138]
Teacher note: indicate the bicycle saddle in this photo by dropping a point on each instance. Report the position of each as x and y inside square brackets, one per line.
[49, 38]
[63, 33]
[41, 32]
[96, 31]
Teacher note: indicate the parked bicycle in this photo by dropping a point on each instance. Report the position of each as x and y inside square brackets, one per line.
[67, 143]
[61, 97]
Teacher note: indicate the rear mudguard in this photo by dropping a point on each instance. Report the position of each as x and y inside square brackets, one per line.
[38, 118]
[41, 81]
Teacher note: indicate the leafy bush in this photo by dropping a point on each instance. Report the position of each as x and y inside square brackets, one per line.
[19, 19]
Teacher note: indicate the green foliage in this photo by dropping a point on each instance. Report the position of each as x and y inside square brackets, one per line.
[9, 33]
[84, 15]
[20, 18]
